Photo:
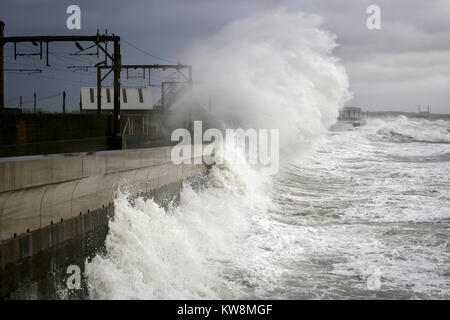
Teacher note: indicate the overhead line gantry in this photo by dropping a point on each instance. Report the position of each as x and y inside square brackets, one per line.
[144, 67]
[97, 39]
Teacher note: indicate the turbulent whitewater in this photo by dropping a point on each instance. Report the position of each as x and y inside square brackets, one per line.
[361, 202]
[348, 203]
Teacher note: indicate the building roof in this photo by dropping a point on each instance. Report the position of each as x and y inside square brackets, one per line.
[131, 98]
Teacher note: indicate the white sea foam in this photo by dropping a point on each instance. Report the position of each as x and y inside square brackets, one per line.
[179, 253]
[357, 204]
[272, 70]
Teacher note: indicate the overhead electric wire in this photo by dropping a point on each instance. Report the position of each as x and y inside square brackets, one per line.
[53, 78]
[30, 100]
[65, 58]
[12, 99]
[61, 56]
[146, 52]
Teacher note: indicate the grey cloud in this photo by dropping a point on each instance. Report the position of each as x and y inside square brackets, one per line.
[403, 63]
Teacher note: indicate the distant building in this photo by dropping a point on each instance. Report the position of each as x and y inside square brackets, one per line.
[350, 113]
[131, 99]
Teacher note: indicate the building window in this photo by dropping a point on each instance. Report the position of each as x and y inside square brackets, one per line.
[124, 94]
[108, 95]
[91, 91]
[141, 97]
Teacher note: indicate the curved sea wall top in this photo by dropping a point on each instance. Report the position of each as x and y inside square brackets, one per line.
[38, 191]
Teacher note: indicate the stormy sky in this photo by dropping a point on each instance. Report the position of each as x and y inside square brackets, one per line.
[401, 66]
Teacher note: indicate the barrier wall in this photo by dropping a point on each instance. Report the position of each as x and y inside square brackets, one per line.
[28, 134]
[54, 210]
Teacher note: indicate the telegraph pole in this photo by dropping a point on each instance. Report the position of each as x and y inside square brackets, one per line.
[116, 70]
[190, 105]
[2, 71]
[64, 102]
[99, 90]
[34, 98]
[162, 97]
[190, 76]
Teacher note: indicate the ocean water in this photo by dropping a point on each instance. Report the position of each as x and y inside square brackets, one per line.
[353, 213]
[364, 214]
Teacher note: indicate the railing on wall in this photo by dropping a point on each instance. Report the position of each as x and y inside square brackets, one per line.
[24, 134]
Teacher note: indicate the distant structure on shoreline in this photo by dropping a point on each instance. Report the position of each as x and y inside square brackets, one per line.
[424, 112]
[350, 113]
[425, 115]
[356, 113]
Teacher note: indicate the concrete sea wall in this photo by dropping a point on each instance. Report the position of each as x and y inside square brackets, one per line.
[54, 211]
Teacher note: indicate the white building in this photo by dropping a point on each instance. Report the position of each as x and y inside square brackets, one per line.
[131, 98]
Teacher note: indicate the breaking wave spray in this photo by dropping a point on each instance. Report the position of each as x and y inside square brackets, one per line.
[269, 70]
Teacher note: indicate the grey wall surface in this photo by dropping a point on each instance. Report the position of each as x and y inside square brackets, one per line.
[54, 210]
[36, 191]
[35, 265]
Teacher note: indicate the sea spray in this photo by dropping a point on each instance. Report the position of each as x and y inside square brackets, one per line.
[272, 70]
[178, 253]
